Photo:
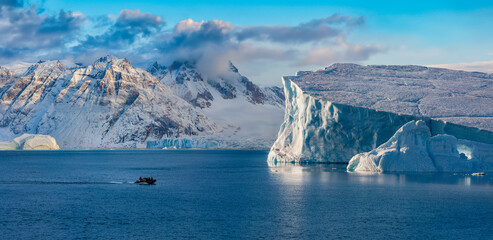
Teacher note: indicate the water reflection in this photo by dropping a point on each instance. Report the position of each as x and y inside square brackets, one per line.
[295, 173]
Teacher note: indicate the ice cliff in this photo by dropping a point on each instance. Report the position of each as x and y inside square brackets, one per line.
[413, 149]
[334, 114]
[31, 142]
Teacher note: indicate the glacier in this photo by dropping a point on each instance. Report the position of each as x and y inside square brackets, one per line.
[413, 149]
[31, 142]
[334, 114]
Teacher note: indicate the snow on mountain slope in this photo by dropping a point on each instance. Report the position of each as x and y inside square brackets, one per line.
[334, 114]
[6, 76]
[107, 104]
[19, 67]
[251, 113]
[413, 149]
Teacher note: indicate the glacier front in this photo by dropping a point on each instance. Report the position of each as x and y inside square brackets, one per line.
[334, 114]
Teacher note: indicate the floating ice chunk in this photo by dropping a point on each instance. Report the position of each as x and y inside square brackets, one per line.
[31, 142]
[479, 174]
[412, 149]
[405, 151]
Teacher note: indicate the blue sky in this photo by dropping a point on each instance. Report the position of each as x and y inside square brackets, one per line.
[261, 37]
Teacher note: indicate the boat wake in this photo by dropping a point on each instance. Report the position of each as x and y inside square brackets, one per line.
[121, 182]
[64, 182]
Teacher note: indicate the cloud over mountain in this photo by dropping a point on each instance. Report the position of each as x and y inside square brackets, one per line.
[217, 40]
[143, 37]
[128, 28]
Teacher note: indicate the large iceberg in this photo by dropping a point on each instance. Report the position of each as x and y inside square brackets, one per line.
[413, 149]
[31, 142]
[333, 114]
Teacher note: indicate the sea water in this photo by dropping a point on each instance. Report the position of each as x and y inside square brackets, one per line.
[229, 195]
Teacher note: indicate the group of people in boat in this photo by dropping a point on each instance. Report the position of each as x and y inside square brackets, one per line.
[149, 179]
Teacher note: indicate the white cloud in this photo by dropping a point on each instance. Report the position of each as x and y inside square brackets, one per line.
[342, 52]
[484, 66]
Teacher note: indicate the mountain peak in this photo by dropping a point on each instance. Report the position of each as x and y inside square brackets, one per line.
[43, 65]
[176, 65]
[232, 67]
[110, 60]
[156, 68]
[106, 59]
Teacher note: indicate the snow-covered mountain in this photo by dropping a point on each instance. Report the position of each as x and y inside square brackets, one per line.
[201, 90]
[107, 104]
[111, 104]
[228, 98]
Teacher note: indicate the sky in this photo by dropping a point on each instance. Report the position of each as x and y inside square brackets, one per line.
[264, 39]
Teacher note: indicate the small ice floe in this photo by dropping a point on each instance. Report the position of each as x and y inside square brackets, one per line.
[478, 174]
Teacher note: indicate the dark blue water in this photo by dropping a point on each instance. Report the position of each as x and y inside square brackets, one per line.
[229, 195]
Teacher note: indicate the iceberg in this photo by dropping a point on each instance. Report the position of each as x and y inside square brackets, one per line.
[413, 149]
[31, 142]
[334, 114]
